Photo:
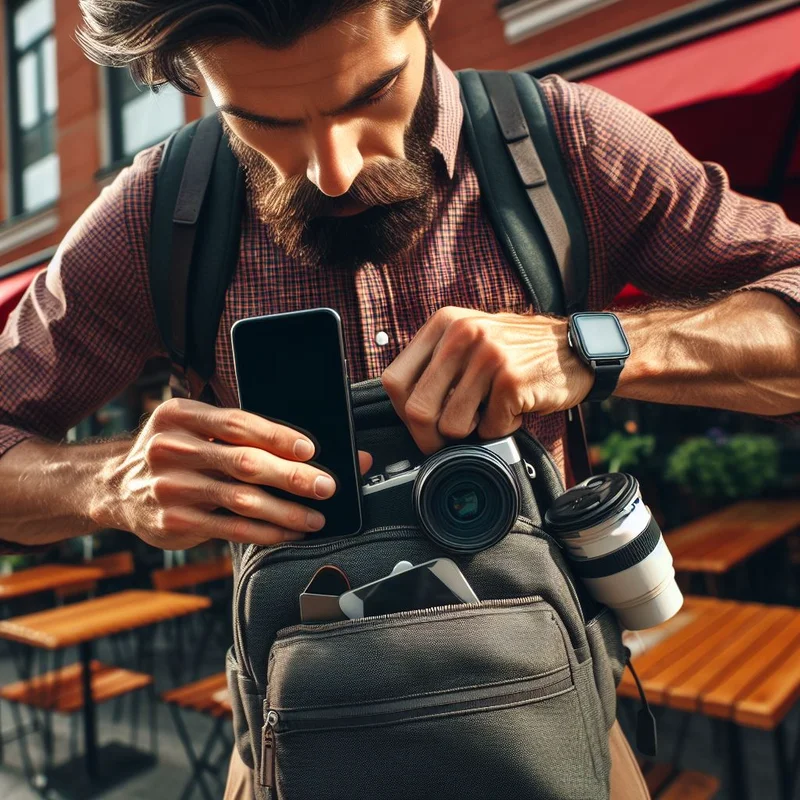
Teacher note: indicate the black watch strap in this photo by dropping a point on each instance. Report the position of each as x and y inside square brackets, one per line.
[605, 381]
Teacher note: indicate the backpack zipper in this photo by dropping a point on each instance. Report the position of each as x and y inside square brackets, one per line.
[267, 771]
[417, 613]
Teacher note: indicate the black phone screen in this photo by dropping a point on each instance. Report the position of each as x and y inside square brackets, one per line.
[291, 369]
[411, 590]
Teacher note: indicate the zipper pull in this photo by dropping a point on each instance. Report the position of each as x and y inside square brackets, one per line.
[268, 750]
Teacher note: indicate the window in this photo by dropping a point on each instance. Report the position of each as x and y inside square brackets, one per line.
[140, 117]
[34, 102]
[523, 18]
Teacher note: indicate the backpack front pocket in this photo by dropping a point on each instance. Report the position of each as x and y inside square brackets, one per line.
[478, 701]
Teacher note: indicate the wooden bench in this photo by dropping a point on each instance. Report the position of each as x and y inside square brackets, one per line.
[737, 663]
[208, 696]
[667, 783]
[113, 565]
[61, 690]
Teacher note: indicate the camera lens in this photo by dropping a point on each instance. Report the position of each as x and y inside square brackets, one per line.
[466, 498]
[617, 549]
[466, 502]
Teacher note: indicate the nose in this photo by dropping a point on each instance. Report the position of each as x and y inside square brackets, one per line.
[335, 161]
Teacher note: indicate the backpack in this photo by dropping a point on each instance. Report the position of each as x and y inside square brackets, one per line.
[513, 697]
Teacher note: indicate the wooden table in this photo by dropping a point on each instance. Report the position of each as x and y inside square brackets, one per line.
[717, 543]
[45, 578]
[737, 663]
[81, 623]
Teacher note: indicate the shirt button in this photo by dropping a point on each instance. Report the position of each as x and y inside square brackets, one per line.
[381, 338]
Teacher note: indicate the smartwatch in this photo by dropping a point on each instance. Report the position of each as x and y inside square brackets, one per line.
[601, 344]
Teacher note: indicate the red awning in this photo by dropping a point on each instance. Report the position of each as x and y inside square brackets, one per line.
[12, 289]
[750, 59]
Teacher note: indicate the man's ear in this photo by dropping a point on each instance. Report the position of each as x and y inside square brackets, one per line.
[433, 12]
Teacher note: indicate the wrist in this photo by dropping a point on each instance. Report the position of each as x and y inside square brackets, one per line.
[50, 490]
[661, 351]
[103, 486]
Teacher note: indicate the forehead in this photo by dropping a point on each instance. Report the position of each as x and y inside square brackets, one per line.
[321, 66]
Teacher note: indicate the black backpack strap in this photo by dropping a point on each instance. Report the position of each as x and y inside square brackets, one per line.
[194, 245]
[530, 199]
[527, 190]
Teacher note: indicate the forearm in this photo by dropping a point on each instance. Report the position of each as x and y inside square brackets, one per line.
[49, 489]
[741, 353]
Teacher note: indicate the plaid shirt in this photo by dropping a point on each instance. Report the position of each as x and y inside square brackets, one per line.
[655, 217]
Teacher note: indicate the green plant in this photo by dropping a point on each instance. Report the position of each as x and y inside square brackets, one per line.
[623, 452]
[10, 563]
[742, 466]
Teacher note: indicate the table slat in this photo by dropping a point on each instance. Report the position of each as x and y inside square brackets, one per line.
[686, 694]
[751, 672]
[654, 660]
[45, 578]
[726, 628]
[100, 617]
[771, 699]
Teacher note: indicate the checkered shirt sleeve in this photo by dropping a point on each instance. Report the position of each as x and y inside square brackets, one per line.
[85, 327]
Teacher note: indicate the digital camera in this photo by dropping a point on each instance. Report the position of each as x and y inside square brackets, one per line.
[466, 497]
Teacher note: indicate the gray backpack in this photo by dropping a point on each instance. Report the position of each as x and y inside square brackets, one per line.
[511, 698]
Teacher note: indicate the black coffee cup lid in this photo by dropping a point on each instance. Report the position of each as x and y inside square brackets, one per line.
[591, 502]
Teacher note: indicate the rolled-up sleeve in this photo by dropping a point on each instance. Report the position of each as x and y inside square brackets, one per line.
[85, 327]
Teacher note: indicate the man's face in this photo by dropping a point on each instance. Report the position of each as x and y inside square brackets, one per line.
[334, 134]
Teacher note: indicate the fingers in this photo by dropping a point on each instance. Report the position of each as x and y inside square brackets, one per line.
[423, 409]
[364, 461]
[177, 523]
[502, 416]
[461, 412]
[245, 464]
[232, 425]
[420, 379]
[193, 489]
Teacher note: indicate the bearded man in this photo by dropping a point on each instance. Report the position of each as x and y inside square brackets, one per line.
[361, 196]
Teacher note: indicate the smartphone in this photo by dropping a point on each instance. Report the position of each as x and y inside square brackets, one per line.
[291, 368]
[435, 583]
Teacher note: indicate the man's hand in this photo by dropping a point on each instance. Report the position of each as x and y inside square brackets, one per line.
[466, 369]
[192, 460]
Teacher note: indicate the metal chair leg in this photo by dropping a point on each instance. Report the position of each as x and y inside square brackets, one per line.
[73, 736]
[153, 711]
[197, 776]
[135, 718]
[27, 763]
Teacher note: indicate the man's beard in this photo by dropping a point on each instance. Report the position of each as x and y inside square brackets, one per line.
[398, 194]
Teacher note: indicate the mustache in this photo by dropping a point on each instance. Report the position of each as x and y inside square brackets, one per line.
[382, 183]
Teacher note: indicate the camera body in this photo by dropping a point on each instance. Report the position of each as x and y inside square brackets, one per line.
[466, 497]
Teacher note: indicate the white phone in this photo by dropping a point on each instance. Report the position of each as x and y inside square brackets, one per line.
[435, 583]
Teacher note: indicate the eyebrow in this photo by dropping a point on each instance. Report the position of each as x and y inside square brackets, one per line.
[374, 86]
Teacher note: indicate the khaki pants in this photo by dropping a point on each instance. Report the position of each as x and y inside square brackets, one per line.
[627, 782]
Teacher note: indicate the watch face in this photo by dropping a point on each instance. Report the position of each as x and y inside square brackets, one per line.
[601, 336]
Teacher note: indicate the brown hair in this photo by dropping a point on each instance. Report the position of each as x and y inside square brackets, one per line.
[154, 38]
